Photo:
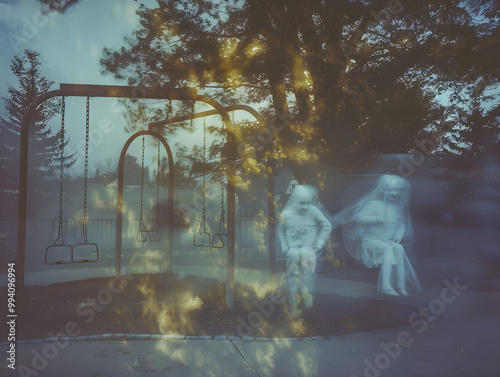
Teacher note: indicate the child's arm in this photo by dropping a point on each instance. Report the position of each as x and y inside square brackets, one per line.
[325, 228]
[400, 232]
[282, 233]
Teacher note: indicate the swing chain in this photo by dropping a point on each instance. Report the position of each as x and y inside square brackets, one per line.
[142, 183]
[86, 170]
[204, 174]
[60, 235]
[158, 184]
[222, 221]
[222, 212]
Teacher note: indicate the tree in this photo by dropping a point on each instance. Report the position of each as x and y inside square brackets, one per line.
[44, 145]
[133, 172]
[59, 5]
[352, 78]
[106, 169]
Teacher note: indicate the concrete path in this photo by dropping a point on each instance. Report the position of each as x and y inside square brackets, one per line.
[454, 331]
[462, 341]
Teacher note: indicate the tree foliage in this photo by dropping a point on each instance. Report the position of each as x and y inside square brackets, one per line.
[353, 77]
[44, 145]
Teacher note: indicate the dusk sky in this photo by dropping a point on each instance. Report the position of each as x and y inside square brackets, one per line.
[71, 46]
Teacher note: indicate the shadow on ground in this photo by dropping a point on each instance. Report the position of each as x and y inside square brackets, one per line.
[189, 305]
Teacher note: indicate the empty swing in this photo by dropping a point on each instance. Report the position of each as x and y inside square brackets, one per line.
[59, 252]
[204, 238]
[217, 241]
[154, 233]
[85, 252]
[142, 233]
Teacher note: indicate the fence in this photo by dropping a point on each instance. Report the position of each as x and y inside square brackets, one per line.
[42, 233]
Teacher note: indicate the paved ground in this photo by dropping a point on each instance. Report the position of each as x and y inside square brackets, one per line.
[453, 331]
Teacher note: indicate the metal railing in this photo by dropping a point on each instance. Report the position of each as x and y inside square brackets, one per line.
[41, 233]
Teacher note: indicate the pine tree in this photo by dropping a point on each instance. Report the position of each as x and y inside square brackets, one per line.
[44, 145]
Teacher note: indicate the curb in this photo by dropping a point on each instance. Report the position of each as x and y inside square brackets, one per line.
[122, 337]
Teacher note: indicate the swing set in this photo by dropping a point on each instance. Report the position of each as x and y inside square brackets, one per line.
[231, 210]
[90, 250]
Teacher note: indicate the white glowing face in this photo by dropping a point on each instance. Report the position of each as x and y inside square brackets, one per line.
[393, 190]
[302, 200]
[303, 205]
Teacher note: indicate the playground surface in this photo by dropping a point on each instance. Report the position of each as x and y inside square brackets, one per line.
[195, 306]
[158, 324]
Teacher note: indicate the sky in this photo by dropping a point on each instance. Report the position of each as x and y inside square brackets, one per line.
[71, 46]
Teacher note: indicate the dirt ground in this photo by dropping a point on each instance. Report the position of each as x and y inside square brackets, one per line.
[189, 305]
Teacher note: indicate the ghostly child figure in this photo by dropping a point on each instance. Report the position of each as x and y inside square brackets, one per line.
[302, 231]
[375, 229]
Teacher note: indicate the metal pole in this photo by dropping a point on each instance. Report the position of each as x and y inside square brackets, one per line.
[115, 91]
[23, 198]
[271, 216]
[119, 212]
[231, 195]
[203, 114]
[21, 213]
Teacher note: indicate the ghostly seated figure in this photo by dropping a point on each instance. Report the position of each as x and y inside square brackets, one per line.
[376, 228]
[302, 230]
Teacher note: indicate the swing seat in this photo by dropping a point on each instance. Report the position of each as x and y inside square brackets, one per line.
[58, 254]
[155, 236]
[154, 233]
[85, 253]
[142, 236]
[142, 233]
[217, 241]
[203, 239]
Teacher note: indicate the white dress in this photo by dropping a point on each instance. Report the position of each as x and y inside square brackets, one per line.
[376, 230]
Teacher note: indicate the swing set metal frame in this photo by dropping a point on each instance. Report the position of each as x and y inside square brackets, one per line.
[181, 94]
